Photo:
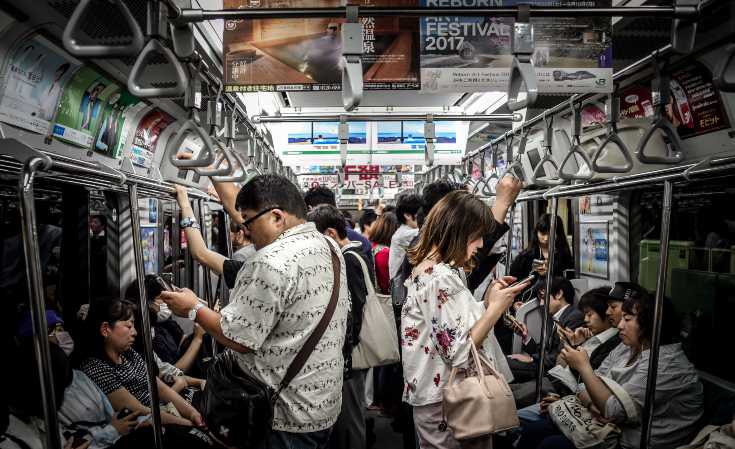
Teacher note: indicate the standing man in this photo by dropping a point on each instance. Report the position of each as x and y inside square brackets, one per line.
[279, 297]
[349, 432]
[408, 206]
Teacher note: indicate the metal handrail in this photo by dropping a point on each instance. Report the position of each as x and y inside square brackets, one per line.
[134, 86]
[151, 366]
[206, 154]
[102, 51]
[547, 159]
[613, 111]
[522, 71]
[549, 278]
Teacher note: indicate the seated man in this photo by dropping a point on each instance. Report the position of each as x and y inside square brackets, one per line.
[561, 311]
[597, 337]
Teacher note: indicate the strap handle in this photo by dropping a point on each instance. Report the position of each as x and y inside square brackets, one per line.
[316, 335]
[365, 273]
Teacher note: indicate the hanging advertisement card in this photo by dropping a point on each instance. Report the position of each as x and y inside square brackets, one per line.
[404, 142]
[148, 241]
[81, 107]
[594, 247]
[306, 54]
[34, 79]
[304, 144]
[473, 54]
[146, 137]
[111, 126]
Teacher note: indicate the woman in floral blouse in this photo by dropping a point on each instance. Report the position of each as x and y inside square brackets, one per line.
[441, 319]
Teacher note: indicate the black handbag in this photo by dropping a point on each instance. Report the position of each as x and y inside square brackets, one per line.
[237, 407]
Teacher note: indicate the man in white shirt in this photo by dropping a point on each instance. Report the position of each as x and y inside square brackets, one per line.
[407, 209]
[279, 297]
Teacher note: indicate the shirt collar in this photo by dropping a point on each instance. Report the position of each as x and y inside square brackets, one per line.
[557, 315]
[607, 334]
[298, 229]
[352, 245]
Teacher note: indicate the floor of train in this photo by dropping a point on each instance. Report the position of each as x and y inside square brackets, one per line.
[385, 436]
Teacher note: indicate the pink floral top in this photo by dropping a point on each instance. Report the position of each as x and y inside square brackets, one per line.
[435, 324]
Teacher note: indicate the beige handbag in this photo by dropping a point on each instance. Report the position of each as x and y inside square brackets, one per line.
[480, 403]
[378, 344]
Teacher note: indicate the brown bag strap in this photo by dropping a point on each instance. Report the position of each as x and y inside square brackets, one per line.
[316, 335]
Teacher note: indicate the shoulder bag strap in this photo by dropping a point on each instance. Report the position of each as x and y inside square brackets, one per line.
[316, 335]
[365, 272]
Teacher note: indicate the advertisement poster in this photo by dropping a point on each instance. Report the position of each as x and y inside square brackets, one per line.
[306, 182]
[466, 54]
[695, 107]
[318, 143]
[34, 79]
[594, 249]
[404, 142]
[81, 107]
[110, 131]
[146, 137]
[306, 54]
[148, 211]
[150, 250]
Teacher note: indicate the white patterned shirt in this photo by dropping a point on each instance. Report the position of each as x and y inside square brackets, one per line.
[435, 327]
[279, 297]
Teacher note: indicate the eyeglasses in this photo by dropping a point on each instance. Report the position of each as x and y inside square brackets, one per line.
[246, 224]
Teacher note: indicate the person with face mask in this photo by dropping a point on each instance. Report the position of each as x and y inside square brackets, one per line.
[56, 332]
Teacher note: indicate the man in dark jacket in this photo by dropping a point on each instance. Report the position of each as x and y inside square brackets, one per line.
[598, 337]
[564, 316]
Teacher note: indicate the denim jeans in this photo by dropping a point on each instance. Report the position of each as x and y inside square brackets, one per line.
[288, 440]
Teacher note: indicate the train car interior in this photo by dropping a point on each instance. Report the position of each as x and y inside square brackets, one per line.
[148, 149]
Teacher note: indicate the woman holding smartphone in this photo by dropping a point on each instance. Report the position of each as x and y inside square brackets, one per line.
[441, 319]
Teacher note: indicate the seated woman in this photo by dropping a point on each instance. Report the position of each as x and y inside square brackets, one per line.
[440, 318]
[119, 371]
[678, 404]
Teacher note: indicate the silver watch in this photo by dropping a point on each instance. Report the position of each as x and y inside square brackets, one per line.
[193, 312]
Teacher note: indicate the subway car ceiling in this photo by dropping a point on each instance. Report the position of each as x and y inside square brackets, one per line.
[620, 120]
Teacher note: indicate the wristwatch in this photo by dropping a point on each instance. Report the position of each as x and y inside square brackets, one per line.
[189, 222]
[193, 312]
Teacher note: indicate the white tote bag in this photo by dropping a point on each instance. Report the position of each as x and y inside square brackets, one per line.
[378, 337]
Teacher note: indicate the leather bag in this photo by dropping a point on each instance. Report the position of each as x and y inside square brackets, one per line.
[237, 407]
[480, 403]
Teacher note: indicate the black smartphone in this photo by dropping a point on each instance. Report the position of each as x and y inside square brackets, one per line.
[156, 284]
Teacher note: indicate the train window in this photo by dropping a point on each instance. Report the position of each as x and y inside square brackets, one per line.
[701, 266]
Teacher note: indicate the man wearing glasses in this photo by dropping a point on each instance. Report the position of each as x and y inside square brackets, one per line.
[279, 296]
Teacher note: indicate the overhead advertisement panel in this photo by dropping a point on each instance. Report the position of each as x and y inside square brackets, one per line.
[434, 54]
[380, 143]
[305, 54]
[469, 54]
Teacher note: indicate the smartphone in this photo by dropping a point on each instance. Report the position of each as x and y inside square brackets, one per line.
[155, 284]
[531, 277]
[123, 413]
[537, 263]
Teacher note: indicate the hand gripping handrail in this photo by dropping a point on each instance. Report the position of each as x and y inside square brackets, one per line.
[548, 137]
[134, 85]
[726, 64]
[351, 61]
[218, 168]
[576, 148]
[102, 51]
[206, 154]
[521, 69]
[613, 111]
[661, 94]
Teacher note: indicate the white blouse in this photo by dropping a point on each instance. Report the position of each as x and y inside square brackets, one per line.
[435, 329]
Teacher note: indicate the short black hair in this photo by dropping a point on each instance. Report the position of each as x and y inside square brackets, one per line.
[271, 190]
[326, 216]
[595, 300]
[559, 284]
[435, 191]
[368, 216]
[389, 209]
[407, 203]
[101, 218]
[319, 195]
[643, 307]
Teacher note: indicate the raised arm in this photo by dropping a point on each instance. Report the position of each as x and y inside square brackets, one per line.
[227, 192]
[195, 241]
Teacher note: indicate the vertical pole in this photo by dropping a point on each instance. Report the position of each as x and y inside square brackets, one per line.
[144, 317]
[509, 247]
[647, 421]
[35, 290]
[549, 276]
[224, 292]
[175, 244]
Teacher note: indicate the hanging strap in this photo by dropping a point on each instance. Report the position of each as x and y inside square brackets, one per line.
[316, 335]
